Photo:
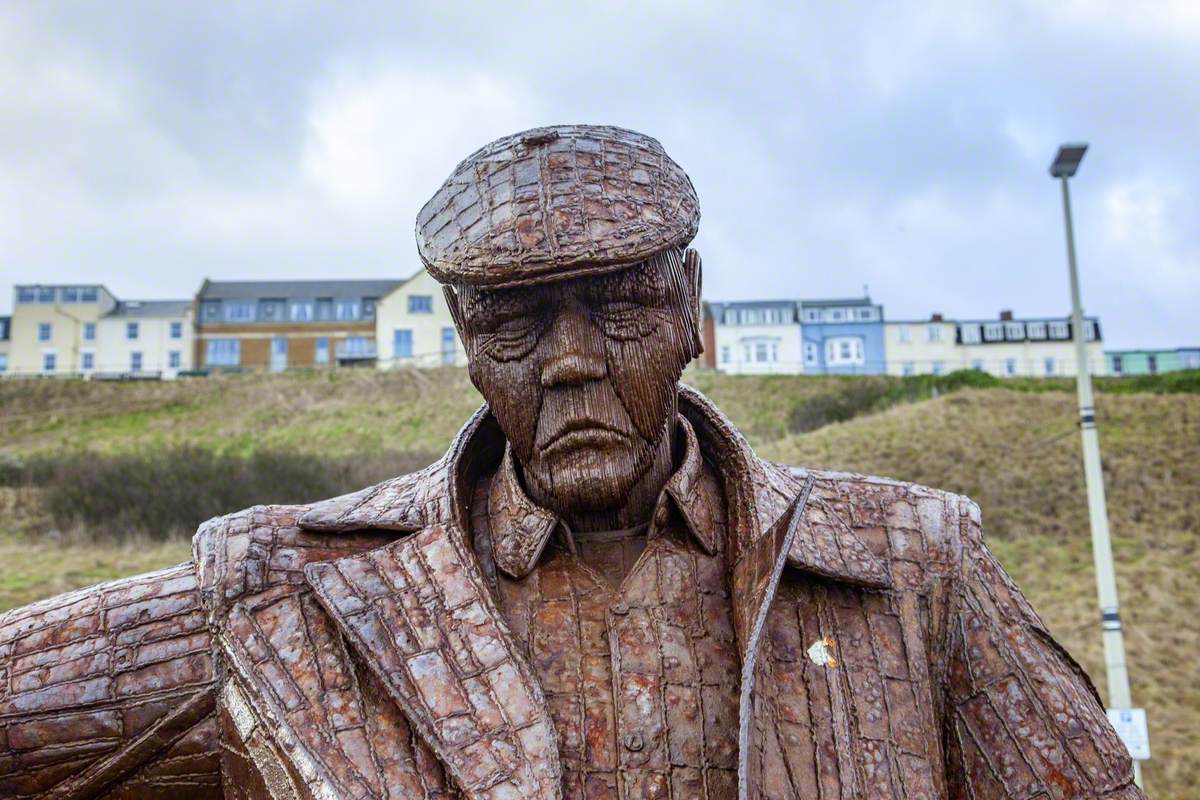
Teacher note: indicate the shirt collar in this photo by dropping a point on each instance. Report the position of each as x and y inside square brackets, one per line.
[520, 528]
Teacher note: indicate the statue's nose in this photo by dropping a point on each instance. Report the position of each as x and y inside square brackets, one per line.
[576, 351]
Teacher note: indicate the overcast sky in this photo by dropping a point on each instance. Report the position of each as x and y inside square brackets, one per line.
[149, 145]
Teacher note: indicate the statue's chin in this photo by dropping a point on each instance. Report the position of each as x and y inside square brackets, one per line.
[590, 480]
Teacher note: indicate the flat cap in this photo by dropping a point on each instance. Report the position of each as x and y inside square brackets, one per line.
[554, 203]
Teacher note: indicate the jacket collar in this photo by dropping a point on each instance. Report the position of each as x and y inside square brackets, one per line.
[757, 494]
[521, 528]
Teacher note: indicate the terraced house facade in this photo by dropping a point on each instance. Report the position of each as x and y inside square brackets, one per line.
[278, 325]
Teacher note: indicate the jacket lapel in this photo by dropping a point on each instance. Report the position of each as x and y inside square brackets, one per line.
[420, 616]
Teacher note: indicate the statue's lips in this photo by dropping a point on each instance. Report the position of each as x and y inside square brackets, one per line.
[583, 436]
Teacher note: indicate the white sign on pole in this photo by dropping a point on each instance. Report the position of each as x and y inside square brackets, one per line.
[1131, 727]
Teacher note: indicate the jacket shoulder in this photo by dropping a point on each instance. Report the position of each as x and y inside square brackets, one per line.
[898, 520]
[263, 550]
[88, 673]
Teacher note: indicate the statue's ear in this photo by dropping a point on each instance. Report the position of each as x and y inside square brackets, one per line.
[692, 280]
[455, 305]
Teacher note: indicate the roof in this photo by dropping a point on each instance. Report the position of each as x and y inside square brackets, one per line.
[753, 304]
[300, 290]
[151, 308]
[845, 301]
[993, 320]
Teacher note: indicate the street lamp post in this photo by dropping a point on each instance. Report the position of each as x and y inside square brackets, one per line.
[1064, 166]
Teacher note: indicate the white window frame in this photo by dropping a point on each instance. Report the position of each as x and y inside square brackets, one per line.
[904, 334]
[846, 351]
[970, 333]
[933, 332]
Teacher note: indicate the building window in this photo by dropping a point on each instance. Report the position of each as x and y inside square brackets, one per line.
[302, 310]
[174, 359]
[324, 309]
[1152, 364]
[402, 343]
[1035, 330]
[239, 311]
[89, 331]
[44, 331]
[844, 350]
[1058, 330]
[46, 294]
[1189, 360]
[270, 310]
[131, 330]
[938, 367]
[1118, 365]
[810, 353]
[812, 315]
[356, 345]
[1010, 366]
[369, 307]
[1089, 329]
[761, 352]
[725, 354]
[25, 295]
[87, 361]
[346, 310]
[89, 294]
[3, 363]
[934, 333]
[1049, 364]
[49, 362]
[1014, 331]
[176, 330]
[993, 332]
[908, 368]
[321, 352]
[210, 310]
[135, 361]
[420, 304]
[970, 333]
[70, 295]
[977, 364]
[730, 316]
[904, 334]
[836, 315]
[448, 345]
[223, 353]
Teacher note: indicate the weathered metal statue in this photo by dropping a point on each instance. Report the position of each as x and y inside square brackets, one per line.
[598, 592]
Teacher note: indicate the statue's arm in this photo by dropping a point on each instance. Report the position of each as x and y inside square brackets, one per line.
[109, 688]
[1021, 716]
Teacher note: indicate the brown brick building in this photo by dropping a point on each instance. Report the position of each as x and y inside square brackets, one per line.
[276, 325]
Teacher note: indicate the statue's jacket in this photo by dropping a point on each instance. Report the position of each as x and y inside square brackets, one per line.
[353, 648]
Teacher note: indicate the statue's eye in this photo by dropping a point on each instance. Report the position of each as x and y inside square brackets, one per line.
[625, 319]
[512, 337]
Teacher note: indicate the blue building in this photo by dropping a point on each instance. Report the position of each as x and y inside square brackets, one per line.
[842, 337]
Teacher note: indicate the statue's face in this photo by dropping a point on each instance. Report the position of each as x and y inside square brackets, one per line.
[581, 373]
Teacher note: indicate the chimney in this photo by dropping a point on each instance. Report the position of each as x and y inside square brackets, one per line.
[936, 317]
[1006, 315]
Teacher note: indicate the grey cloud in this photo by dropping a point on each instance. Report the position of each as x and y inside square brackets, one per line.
[833, 145]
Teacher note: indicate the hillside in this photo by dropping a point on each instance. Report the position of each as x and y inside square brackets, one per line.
[1015, 452]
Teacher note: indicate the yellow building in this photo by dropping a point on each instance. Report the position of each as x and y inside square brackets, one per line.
[1005, 347]
[413, 327]
[53, 328]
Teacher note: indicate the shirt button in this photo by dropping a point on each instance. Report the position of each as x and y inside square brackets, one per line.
[633, 742]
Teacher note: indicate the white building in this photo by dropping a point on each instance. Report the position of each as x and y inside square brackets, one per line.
[1005, 347]
[756, 337]
[141, 339]
[413, 326]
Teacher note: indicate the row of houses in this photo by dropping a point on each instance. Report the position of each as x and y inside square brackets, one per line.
[279, 325]
[853, 337]
[228, 326]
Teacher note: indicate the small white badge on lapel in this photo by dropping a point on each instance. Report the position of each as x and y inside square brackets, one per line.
[820, 653]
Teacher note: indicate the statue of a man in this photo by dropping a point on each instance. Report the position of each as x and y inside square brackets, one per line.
[598, 592]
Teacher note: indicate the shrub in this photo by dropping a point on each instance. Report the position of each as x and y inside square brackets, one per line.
[169, 492]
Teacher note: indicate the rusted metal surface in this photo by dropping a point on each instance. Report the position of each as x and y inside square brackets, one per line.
[556, 201]
[598, 592]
